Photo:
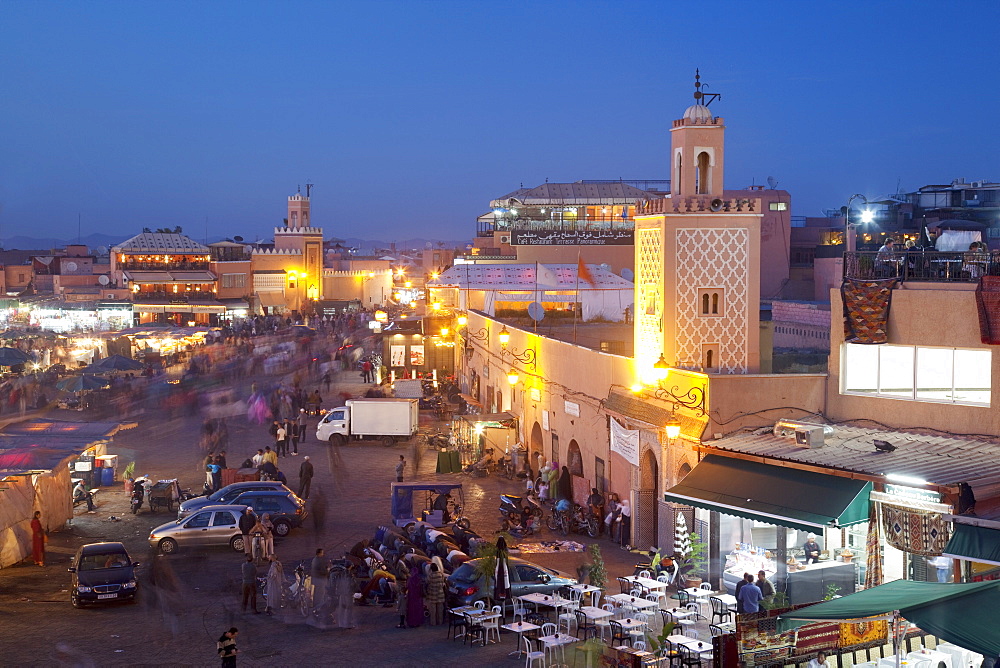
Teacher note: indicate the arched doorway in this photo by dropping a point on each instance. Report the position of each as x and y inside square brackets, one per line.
[574, 458]
[535, 446]
[646, 532]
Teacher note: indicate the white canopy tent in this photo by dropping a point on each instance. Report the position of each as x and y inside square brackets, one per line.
[485, 286]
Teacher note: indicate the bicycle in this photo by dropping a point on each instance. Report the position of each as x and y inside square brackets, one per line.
[301, 590]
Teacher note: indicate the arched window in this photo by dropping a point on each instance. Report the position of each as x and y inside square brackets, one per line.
[677, 174]
[715, 303]
[704, 303]
[295, 219]
[574, 458]
[709, 358]
[702, 182]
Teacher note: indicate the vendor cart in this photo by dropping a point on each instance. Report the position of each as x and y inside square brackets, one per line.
[165, 493]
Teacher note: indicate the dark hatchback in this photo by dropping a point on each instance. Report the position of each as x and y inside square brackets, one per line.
[102, 573]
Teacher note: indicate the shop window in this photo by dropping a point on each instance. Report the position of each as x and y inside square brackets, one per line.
[940, 375]
[711, 302]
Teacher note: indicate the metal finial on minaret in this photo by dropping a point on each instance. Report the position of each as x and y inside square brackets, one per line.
[309, 187]
[699, 96]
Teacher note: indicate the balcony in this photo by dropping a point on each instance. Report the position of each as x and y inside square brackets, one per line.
[487, 228]
[923, 266]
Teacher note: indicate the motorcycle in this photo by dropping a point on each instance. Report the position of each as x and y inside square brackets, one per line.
[577, 520]
[138, 491]
[511, 504]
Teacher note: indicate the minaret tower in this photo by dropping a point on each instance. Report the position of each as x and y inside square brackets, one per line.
[696, 143]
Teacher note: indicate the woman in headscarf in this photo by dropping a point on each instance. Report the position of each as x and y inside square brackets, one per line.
[414, 599]
[37, 539]
[565, 485]
[275, 585]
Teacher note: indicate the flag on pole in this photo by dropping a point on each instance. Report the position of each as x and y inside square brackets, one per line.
[583, 272]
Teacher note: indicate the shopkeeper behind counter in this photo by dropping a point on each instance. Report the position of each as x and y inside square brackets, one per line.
[811, 549]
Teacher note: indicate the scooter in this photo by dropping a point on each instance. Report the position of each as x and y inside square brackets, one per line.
[138, 491]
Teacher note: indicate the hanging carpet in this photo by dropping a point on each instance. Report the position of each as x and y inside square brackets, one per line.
[866, 309]
[988, 304]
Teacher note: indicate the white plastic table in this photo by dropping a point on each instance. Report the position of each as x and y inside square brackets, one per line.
[550, 600]
[594, 614]
[520, 628]
[634, 602]
[646, 582]
[559, 640]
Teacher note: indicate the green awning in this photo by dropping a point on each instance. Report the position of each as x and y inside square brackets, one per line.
[779, 495]
[975, 543]
[961, 613]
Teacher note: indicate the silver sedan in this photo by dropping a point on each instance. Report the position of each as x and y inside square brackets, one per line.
[208, 526]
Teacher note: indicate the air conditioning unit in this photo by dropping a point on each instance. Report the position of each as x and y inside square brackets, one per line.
[810, 437]
[977, 184]
[505, 240]
[786, 428]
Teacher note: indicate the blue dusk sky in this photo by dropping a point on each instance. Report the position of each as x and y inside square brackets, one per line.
[410, 116]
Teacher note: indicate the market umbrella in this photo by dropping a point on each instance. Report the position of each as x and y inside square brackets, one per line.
[81, 384]
[119, 363]
[682, 539]
[12, 356]
[501, 576]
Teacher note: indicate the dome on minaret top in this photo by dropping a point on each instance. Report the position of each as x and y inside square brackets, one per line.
[697, 112]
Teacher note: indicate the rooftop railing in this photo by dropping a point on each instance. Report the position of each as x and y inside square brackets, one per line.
[920, 265]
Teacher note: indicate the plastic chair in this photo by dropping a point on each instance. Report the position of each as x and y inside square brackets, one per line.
[719, 609]
[681, 626]
[454, 623]
[618, 634]
[624, 584]
[639, 645]
[584, 624]
[639, 632]
[530, 654]
[656, 596]
[706, 586]
[480, 605]
[595, 598]
[646, 574]
[568, 616]
[715, 630]
[493, 624]
[549, 629]
[519, 609]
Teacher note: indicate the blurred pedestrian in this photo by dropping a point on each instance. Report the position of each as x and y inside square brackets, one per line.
[400, 466]
[38, 539]
[295, 431]
[249, 572]
[305, 477]
[227, 648]
[319, 570]
[281, 439]
[270, 456]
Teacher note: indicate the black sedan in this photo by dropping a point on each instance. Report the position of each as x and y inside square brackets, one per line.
[102, 573]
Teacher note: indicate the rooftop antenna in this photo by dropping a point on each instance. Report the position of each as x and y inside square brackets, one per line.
[700, 97]
[309, 187]
[79, 238]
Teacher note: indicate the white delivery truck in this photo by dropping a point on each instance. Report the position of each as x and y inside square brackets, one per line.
[388, 420]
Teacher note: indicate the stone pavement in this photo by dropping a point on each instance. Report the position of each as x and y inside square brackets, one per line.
[350, 498]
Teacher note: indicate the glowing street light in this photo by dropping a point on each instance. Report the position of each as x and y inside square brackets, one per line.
[504, 336]
[673, 427]
[512, 377]
[660, 369]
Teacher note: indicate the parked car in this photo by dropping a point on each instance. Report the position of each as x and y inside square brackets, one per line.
[466, 585]
[102, 572]
[287, 510]
[227, 495]
[209, 526]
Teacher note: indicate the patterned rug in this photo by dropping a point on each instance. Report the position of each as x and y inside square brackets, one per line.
[862, 633]
[873, 548]
[988, 304]
[548, 546]
[866, 309]
[914, 531]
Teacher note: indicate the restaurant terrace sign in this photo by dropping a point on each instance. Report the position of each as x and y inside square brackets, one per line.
[572, 238]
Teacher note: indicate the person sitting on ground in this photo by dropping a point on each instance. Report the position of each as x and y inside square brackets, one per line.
[441, 503]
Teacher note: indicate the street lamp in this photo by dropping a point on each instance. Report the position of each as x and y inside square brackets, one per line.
[867, 216]
[512, 377]
[504, 336]
[660, 369]
[673, 427]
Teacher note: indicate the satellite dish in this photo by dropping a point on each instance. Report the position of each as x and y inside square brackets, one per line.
[103, 280]
[772, 182]
[605, 266]
[628, 274]
[535, 311]
[72, 266]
